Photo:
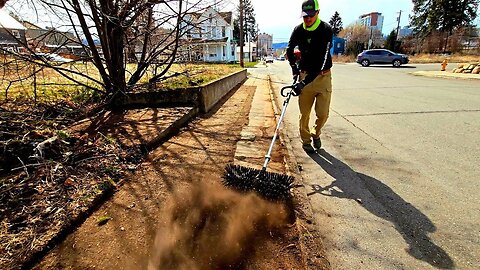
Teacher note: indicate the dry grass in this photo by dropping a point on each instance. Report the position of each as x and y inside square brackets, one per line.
[344, 58]
[17, 81]
[438, 58]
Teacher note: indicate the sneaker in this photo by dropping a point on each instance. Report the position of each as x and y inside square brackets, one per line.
[317, 143]
[308, 148]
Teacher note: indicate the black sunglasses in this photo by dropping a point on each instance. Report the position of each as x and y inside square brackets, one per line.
[310, 16]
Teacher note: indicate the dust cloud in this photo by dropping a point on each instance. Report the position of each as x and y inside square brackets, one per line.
[211, 227]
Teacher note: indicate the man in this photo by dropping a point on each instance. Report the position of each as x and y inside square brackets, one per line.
[313, 38]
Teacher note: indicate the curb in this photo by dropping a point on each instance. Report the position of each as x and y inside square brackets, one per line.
[172, 129]
[447, 75]
[310, 238]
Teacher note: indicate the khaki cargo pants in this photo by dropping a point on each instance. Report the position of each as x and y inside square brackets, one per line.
[319, 91]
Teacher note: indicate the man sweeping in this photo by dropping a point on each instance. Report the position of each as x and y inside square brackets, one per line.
[313, 38]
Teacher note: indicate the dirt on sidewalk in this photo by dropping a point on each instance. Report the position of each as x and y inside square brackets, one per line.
[174, 212]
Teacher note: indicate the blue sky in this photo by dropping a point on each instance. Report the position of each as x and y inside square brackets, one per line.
[285, 14]
[278, 17]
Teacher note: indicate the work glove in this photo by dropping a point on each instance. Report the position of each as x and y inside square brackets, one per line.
[298, 87]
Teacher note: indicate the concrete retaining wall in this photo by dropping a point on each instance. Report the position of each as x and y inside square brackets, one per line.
[212, 93]
[203, 97]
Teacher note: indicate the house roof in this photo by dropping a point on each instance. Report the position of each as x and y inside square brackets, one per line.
[227, 16]
[31, 26]
[8, 22]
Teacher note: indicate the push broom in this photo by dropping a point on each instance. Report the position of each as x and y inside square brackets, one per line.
[270, 185]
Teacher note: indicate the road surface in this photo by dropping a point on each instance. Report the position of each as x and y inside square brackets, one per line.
[396, 185]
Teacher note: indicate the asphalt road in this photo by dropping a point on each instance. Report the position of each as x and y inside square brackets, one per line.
[396, 185]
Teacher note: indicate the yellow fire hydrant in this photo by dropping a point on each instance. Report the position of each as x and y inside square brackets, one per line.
[444, 65]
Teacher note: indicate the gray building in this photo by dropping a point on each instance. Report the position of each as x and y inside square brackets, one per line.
[264, 45]
[372, 20]
[12, 34]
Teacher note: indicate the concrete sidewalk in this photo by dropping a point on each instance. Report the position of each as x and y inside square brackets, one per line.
[447, 74]
[256, 136]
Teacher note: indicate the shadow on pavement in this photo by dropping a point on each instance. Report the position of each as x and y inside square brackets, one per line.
[389, 66]
[410, 222]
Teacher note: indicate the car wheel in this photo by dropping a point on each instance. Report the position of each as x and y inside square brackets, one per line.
[365, 63]
[397, 63]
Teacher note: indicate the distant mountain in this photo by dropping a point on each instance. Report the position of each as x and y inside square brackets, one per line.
[281, 45]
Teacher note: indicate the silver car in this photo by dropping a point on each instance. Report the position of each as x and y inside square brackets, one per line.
[381, 56]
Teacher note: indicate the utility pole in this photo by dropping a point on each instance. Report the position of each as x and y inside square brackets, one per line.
[258, 46]
[241, 34]
[398, 24]
[370, 40]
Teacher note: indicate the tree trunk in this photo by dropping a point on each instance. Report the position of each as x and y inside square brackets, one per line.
[241, 33]
[116, 67]
[446, 42]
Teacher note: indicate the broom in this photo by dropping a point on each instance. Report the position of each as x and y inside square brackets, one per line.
[272, 186]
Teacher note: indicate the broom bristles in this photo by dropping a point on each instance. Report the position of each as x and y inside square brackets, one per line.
[273, 186]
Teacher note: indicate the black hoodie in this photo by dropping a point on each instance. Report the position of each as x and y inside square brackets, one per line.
[314, 47]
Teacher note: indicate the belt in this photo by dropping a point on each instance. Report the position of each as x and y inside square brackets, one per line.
[323, 72]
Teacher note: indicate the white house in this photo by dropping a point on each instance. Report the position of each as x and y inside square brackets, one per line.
[208, 37]
[249, 52]
[12, 33]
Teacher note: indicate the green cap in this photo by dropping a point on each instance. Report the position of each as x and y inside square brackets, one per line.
[309, 7]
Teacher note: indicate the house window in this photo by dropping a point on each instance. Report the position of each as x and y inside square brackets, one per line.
[223, 31]
[208, 31]
[16, 33]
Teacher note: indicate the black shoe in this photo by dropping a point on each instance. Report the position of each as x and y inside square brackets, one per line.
[317, 143]
[308, 148]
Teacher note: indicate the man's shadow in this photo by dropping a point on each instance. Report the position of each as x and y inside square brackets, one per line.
[410, 222]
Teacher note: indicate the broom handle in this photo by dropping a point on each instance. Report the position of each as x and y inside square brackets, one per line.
[268, 156]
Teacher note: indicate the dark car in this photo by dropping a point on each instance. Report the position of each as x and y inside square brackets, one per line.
[381, 56]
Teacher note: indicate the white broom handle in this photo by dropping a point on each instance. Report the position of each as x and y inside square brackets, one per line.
[284, 109]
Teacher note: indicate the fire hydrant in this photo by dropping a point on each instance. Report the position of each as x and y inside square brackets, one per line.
[444, 65]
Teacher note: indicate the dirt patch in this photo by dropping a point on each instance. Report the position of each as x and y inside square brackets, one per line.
[173, 212]
[209, 227]
[169, 211]
[50, 178]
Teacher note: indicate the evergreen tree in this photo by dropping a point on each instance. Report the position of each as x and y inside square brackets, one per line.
[336, 23]
[250, 22]
[390, 43]
[445, 16]
[250, 30]
[236, 30]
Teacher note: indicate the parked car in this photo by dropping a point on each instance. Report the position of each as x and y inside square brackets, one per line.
[281, 58]
[381, 56]
[52, 57]
[269, 59]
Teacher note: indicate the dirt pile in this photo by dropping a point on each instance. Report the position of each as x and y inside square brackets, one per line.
[210, 227]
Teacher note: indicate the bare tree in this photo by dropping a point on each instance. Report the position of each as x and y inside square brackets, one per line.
[110, 34]
[356, 36]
